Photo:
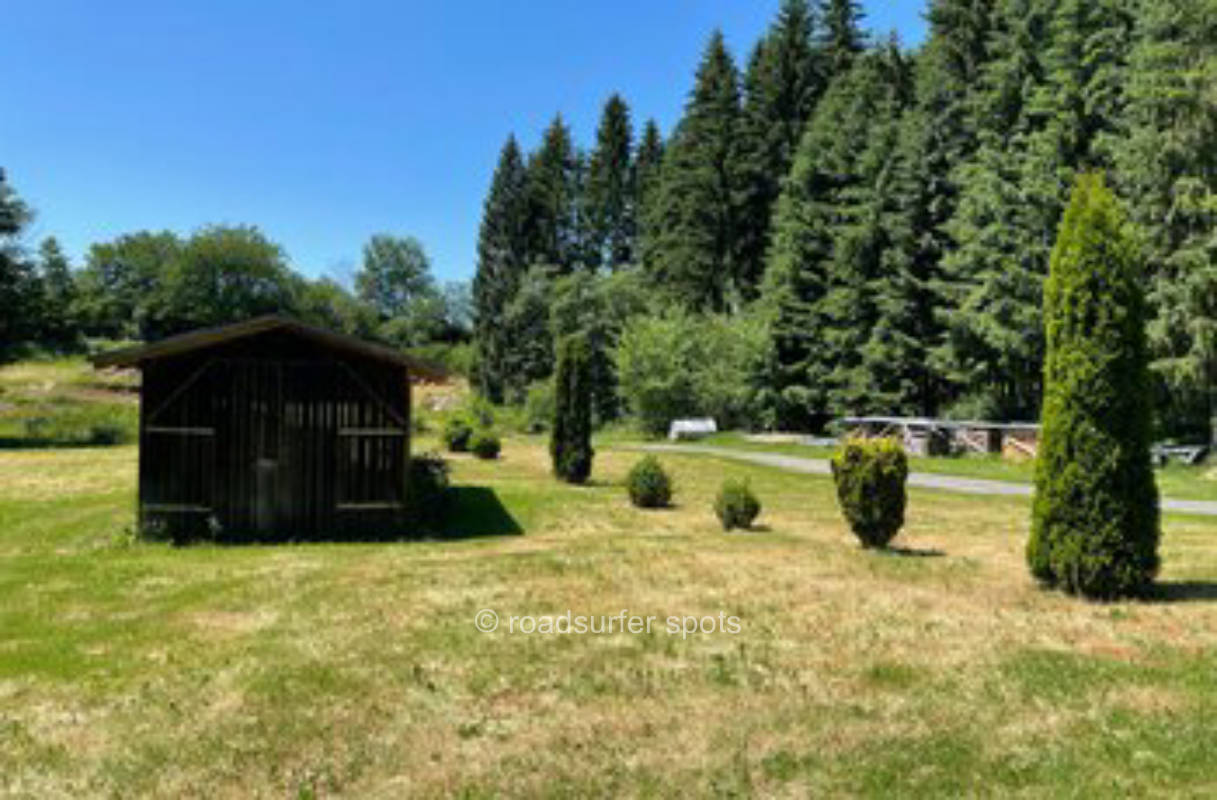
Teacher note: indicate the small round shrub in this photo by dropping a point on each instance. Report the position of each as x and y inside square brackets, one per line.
[457, 433]
[736, 505]
[649, 486]
[485, 444]
[870, 476]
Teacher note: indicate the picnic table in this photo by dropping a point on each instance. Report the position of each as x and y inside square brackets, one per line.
[1190, 454]
[928, 436]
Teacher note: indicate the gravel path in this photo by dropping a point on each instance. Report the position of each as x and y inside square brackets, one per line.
[922, 480]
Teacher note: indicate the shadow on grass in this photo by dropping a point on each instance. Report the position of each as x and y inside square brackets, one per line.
[752, 529]
[476, 511]
[26, 443]
[471, 512]
[1184, 592]
[912, 552]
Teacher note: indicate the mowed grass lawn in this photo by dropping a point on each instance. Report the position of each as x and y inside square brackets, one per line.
[356, 670]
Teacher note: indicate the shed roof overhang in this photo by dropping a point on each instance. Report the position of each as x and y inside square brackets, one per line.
[210, 337]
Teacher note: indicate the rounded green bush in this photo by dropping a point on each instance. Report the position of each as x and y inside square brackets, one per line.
[870, 475]
[736, 505]
[648, 484]
[485, 444]
[457, 433]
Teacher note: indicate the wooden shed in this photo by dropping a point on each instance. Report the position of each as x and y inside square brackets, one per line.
[271, 429]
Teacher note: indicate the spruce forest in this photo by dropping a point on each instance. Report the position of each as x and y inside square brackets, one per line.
[841, 225]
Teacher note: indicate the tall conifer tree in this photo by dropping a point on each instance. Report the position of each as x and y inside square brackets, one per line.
[553, 223]
[502, 260]
[648, 163]
[990, 292]
[781, 89]
[18, 284]
[610, 194]
[828, 240]
[1167, 170]
[937, 137]
[691, 225]
[1045, 101]
[841, 39]
[864, 296]
[57, 325]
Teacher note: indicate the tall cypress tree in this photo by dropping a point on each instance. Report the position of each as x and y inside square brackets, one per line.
[553, 222]
[691, 224]
[1095, 518]
[610, 194]
[648, 161]
[1167, 169]
[781, 89]
[502, 260]
[570, 443]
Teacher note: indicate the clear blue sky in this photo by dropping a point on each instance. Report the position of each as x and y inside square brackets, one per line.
[324, 122]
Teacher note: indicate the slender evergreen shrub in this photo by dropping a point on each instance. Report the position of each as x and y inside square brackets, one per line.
[1095, 524]
[457, 433]
[484, 444]
[736, 506]
[648, 484]
[570, 443]
[870, 475]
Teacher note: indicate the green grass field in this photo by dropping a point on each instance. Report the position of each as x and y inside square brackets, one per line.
[356, 670]
[64, 402]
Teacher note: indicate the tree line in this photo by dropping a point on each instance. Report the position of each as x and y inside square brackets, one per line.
[864, 228]
[149, 285]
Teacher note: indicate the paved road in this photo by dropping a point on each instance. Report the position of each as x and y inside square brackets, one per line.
[922, 480]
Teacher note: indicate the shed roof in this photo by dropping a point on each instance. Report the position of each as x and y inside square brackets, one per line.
[209, 337]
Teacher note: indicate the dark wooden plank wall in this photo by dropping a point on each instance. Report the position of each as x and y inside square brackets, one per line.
[272, 439]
